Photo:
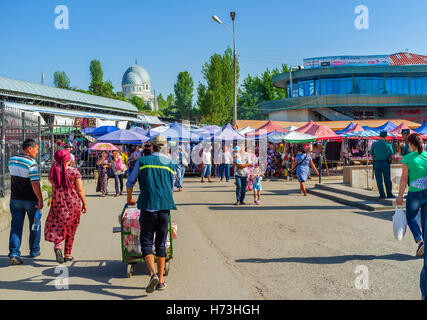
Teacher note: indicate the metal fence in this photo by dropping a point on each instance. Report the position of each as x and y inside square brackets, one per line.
[18, 125]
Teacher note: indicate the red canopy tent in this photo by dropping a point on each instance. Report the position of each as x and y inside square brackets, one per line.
[399, 128]
[267, 128]
[322, 132]
[356, 128]
[306, 127]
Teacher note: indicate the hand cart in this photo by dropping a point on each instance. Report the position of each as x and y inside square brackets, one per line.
[131, 258]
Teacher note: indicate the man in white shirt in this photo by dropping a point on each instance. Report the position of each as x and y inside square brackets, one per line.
[226, 161]
[206, 164]
[241, 176]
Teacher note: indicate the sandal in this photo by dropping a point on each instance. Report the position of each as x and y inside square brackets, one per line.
[66, 259]
[59, 256]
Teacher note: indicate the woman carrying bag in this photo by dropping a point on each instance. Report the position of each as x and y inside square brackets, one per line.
[118, 169]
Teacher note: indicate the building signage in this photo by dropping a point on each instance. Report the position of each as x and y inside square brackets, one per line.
[343, 61]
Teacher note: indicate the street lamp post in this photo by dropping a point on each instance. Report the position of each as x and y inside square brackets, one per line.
[216, 19]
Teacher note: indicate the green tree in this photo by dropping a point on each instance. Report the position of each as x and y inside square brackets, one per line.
[96, 82]
[215, 96]
[256, 90]
[184, 94]
[138, 103]
[60, 80]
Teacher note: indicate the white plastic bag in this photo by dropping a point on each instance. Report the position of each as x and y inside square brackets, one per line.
[399, 224]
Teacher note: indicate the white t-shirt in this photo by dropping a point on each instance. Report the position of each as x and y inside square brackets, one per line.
[227, 158]
[207, 157]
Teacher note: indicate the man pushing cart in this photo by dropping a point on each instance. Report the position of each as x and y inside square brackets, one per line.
[155, 174]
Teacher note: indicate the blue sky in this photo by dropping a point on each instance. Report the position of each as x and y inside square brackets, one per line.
[167, 37]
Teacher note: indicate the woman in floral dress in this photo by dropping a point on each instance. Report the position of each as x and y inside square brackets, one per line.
[64, 215]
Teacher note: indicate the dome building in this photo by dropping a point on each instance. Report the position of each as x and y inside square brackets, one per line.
[136, 82]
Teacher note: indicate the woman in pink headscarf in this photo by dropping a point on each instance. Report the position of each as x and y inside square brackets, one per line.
[65, 210]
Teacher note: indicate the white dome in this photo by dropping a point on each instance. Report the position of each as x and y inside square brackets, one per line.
[135, 75]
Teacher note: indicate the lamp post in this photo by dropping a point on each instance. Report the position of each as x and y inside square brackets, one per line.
[216, 19]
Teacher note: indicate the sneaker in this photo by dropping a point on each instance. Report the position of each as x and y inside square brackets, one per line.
[391, 196]
[258, 202]
[161, 286]
[154, 280]
[15, 261]
[242, 203]
[237, 203]
[420, 250]
[255, 201]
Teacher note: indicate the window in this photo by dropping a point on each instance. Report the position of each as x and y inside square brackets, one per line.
[424, 90]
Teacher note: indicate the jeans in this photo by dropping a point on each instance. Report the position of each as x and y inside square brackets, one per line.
[118, 178]
[415, 202]
[382, 168]
[224, 168]
[154, 222]
[206, 170]
[180, 171]
[18, 208]
[241, 183]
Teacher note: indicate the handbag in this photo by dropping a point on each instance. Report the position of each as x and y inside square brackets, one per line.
[399, 224]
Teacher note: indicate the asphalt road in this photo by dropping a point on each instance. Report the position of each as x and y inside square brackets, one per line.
[289, 247]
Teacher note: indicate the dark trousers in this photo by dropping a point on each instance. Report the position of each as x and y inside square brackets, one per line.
[154, 222]
[382, 169]
[118, 178]
[241, 183]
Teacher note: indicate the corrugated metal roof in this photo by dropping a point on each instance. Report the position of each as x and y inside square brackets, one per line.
[34, 89]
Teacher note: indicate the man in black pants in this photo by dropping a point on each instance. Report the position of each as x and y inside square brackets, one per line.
[155, 174]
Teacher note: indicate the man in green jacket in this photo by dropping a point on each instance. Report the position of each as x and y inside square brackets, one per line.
[405, 134]
[382, 152]
[155, 174]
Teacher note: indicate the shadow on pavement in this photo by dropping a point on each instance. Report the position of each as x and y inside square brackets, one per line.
[332, 259]
[262, 207]
[101, 271]
[385, 215]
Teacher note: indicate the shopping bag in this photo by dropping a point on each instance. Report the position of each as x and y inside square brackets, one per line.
[399, 223]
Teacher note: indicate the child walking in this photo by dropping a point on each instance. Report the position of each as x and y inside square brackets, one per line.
[257, 185]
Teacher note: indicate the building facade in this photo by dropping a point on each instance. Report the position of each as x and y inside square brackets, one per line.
[136, 82]
[353, 88]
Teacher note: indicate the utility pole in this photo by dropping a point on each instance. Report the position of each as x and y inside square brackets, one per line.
[233, 16]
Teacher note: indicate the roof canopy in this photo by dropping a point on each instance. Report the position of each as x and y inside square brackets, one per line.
[322, 132]
[177, 132]
[346, 129]
[267, 128]
[356, 128]
[291, 137]
[422, 129]
[124, 137]
[306, 127]
[388, 126]
[228, 133]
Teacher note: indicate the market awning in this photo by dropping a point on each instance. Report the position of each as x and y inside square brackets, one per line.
[70, 113]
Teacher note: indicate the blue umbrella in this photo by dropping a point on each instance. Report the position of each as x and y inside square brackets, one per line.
[124, 137]
[139, 130]
[422, 129]
[100, 131]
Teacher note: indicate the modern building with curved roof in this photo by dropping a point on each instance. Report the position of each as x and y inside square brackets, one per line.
[352, 88]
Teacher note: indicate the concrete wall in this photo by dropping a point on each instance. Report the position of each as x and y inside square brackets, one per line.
[355, 177]
[300, 115]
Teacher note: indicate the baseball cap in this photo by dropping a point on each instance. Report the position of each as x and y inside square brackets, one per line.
[159, 141]
[405, 131]
[383, 134]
